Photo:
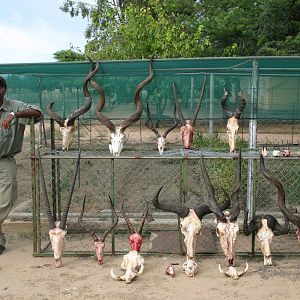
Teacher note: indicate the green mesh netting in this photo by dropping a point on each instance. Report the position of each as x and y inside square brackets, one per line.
[277, 95]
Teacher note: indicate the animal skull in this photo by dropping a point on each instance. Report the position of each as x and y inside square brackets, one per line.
[233, 118]
[190, 267]
[276, 153]
[187, 134]
[57, 238]
[227, 233]
[116, 142]
[264, 151]
[265, 236]
[67, 135]
[233, 273]
[170, 270]
[133, 265]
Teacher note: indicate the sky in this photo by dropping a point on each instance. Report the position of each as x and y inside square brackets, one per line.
[32, 30]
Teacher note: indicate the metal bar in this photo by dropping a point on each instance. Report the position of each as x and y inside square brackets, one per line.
[211, 105]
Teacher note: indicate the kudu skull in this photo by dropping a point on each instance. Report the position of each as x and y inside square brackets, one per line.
[187, 128]
[133, 263]
[67, 125]
[161, 138]
[291, 217]
[227, 225]
[58, 230]
[233, 118]
[99, 242]
[265, 227]
[190, 221]
[117, 133]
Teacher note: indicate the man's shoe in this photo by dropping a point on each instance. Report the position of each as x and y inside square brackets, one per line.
[2, 248]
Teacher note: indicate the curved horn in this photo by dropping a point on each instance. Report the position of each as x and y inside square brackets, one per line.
[167, 131]
[113, 275]
[194, 117]
[141, 270]
[102, 239]
[239, 110]
[91, 232]
[45, 194]
[225, 108]
[136, 116]
[211, 193]
[281, 194]
[180, 210]
[63, 221]
[130, 227]
[149, 122]
[243, 272]
[145, 214]
[181, 117]
[202, 210]
[54, 115]
[248, 228]
[275, 226]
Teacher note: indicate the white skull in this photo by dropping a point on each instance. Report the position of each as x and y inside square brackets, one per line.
[189, 267]
[116, 143]
[161, 143]
[68, 133]
[276, 153]
[57, 238]
[232, 129]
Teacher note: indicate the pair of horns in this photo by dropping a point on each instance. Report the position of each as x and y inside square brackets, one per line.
[238, 111]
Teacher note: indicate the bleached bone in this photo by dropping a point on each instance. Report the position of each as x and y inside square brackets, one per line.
[117, 132]
[265, 226]
[233, 118]
[292, 217]
[58, 230]
[264, 151]
[190, 268]
[233, 272]
[161, 138]
[190, 220]
[67, 125]
[133, 265]
[227, 225]
[187, 128]
[99, 242]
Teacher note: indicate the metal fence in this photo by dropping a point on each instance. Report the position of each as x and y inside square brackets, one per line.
[133, 179]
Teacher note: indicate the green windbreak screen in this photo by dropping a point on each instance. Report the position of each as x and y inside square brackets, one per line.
[271, 86]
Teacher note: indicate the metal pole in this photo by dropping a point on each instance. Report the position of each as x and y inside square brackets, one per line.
[211, 105]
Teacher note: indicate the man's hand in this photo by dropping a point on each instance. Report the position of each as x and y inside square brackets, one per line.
[7, 122]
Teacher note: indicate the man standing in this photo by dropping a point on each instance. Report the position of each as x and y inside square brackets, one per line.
[14, 115]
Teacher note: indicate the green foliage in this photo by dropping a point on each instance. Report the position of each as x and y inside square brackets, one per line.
[68, 55]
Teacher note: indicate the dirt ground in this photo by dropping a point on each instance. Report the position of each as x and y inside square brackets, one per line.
[25, 277]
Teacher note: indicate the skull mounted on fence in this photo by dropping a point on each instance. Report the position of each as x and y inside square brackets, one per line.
[190, 221]
[233, 118]
[99, 241]
[58, 229]
[289, 215]
[67, 125]
[265, 227]
[161, 138]
[227, 225]
[117, 133]
[187, 129]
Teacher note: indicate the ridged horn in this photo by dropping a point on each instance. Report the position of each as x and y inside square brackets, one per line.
[53, 115]
[181, 117]
[130, 227]
[145, 214]
[167, 131]
[149, 122]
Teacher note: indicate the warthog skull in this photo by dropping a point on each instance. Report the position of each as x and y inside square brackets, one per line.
[117, 132]
[190, 221]
[161, 138]
[133, 265]
[99, 242]
[233, 118]
[289, 215]
[187, 128]
[233, 272]
[227, 225]
[135, 237]
[58, 230]
[265, 226]
[189, 267]
[67, 125]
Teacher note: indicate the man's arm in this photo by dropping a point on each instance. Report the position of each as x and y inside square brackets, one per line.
[28, 113]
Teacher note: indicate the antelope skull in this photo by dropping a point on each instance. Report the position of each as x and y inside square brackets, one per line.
[227, 225]
[58, 230]
[189, 267]
[290, 216]
[99, 242]
[265, 227]
[190, 221]
[233, 272]
[161, 138]
[187, 128]
[133, 265]
[117, 132]
[233, 118]
[67, 125]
